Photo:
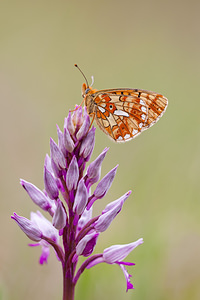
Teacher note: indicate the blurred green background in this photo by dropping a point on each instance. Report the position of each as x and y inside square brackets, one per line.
[153, 45]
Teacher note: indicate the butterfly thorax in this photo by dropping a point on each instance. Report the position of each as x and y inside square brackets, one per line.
[89, 94]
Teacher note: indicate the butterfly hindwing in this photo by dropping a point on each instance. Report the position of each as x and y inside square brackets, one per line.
[125, 113]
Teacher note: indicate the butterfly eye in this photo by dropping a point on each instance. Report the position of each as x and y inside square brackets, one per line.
[87, 90]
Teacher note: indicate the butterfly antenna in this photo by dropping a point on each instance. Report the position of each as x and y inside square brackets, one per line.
[82, 74]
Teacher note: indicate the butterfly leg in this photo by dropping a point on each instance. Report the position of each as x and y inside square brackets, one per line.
[93, 116]
[77, 106]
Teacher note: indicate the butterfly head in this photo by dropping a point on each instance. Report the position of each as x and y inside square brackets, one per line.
[87, 90]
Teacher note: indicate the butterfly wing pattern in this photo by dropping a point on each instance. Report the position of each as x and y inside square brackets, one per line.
[124, 113]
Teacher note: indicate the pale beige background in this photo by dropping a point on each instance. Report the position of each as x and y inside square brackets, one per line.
[152, 45]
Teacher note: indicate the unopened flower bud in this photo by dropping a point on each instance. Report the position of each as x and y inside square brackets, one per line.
[72, 174]
[77, 117]
[110, 212]
[50, 185]
[86, 245]
[94, 169]
[69, 124]
[87, 144]
[68, 142]
[28, 227]
[60, 217]
[84, 128]
[57, 155]
[37, 196]
[81, 198]
[117, 253]
[105, 183]
[61, 141]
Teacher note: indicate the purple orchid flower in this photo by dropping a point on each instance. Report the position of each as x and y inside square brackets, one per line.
[67, 198]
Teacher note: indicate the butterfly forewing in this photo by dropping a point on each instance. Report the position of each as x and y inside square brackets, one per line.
[125, 113]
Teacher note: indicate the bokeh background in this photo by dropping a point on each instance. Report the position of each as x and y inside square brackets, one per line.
[151, 45]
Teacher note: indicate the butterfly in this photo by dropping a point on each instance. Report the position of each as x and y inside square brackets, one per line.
[123, 113]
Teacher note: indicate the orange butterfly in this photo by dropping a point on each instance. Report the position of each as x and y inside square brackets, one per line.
[123, 113]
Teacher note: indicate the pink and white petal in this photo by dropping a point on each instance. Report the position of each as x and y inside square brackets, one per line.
[127, 277]
[45, 254]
